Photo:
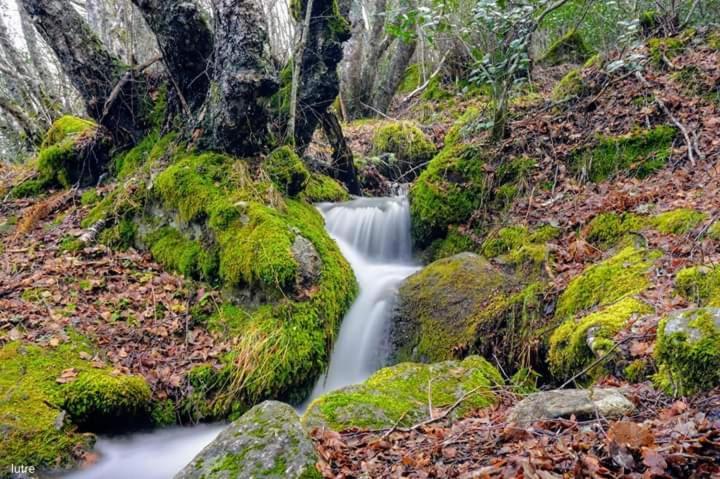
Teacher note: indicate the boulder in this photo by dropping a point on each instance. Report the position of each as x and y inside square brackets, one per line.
[398, 395]
[454, 305]
[564, 403]
[266, 442]
[688, 351]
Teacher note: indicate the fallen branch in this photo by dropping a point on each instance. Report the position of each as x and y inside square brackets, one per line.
[90, 235]
[422, 87]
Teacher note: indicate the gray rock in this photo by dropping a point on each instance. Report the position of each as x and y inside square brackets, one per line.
[266, 442]
[679, 322]
[309, 260]
[563, 403]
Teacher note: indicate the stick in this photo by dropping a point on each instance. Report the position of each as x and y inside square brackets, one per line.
[124, 80]
[427, 82]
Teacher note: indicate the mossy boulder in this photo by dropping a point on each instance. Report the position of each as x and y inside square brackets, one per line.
[569, 86]
[687, 351]
[267, 442]
[570, 48]
[451, 188]
[699, 285]
[398, 395]
[607, 229]
[287, 170]
[639, 153]
[517, 246]
[679, 222]
[49, 392]
[404, 148]
[454, 243]
[321, 188]
[454, 305]
[73, 150]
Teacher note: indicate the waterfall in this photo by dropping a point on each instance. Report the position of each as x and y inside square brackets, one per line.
[374, 236]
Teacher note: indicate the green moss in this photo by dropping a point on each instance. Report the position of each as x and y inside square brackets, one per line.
[321, 188]
[71, 244]
[570, 86]
[452, 187]
[714, 231]
[435, 91]
[67, 127]
[570, 48]
[519, 247]
[687, 352]
[163, 413]
[287, 171]
[639, 154]
[462, 128]
[699, 285]
[152, 148]
[100, 400]
[606, 229]
[665, 47]
[398, 395]
[455, 242]
[120, 236]
[30, 405]
[636, 371]
[411, 79]
[404, 140]
[505, 240]
[605, 283]
[679, 222]
[713, 39]
[569, 350]
[175, 252]
[89, 197]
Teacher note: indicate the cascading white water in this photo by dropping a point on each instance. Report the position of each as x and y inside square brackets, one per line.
[374, 236]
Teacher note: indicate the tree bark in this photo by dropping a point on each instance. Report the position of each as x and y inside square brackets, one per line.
[90, 67]
[186, 43]
[320, 84]
[233, 117]
[343, 163]
[394, 76]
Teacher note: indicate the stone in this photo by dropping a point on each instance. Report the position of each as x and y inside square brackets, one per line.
[308, 260]
[266, 442]
[564, 403]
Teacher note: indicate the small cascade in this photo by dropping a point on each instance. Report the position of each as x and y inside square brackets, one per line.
[374, 236]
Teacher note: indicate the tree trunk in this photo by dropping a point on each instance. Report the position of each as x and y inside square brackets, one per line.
[394, 76]
[186, 43]
[343, 164]
[233, 118]
[319, 84]
[91, 68]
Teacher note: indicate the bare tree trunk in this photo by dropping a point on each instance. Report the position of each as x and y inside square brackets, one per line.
[186, 44]
[391, 80]
[233, 118]
[343, 164]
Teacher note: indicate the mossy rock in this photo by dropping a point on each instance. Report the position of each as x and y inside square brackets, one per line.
[578, 342]
[623, 275]
[519, 247]
[404, 147]
[570, 48]
[699, 285]
[411, 80]
[398, 395]
[639, 153]
[36, 430]
[662, 48]
[321, 188]
[463, 127]
[287, 170]
[63, 159]
[678, 222]
[454, 304]
[454, 243]
[267, 442]
[570, 86]
[687, 351]
[607, 229]
[451, 188]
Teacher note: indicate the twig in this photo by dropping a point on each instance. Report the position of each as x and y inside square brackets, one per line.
[387, 117]
[422, 87]
[123, 81]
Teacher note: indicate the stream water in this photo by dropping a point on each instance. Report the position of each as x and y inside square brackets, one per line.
[374, 236]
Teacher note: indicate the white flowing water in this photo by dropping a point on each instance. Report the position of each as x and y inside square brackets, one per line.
[374, 236]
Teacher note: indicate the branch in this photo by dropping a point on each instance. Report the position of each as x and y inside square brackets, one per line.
[129, 75]
[427, 82]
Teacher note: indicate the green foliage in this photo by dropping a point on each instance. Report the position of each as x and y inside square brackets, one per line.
[606, 229]
[679, 222]
[321, 188]
[605, 283]
[639, 153]
[505, 240]
[636, 371]
[570, 48]
[689, 358]
[570, 352]
[447, 192]
[404, 140]
[98, 400]
[699, 285]
[398, 395]
[287, 171]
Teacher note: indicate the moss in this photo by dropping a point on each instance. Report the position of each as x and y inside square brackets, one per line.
[462, 128]
[505, 240]
[713, 231]
[398, 395]
[606, 229]
[570, 352]
[713, 39]
[519, 247]
[120, 236]
[404, 140]
[100, 400]
[287, 171]
[321, 188]
[679, 222]
[30, 407]
[71, 244]
[89, 197]
[452, 187]
[455, 242]
[175, 252]
[570, 48]
[636, 371]
[665, 47]
[163, 413]
[571, 85]
[436, 91]
[687, 352]
[525, 381]
[699, 285]
[649, 20]
[149, 150]
[605, 283]
[639, 153]
[411, 79]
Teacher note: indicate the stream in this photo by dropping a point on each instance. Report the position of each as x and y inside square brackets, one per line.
[374, 236]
